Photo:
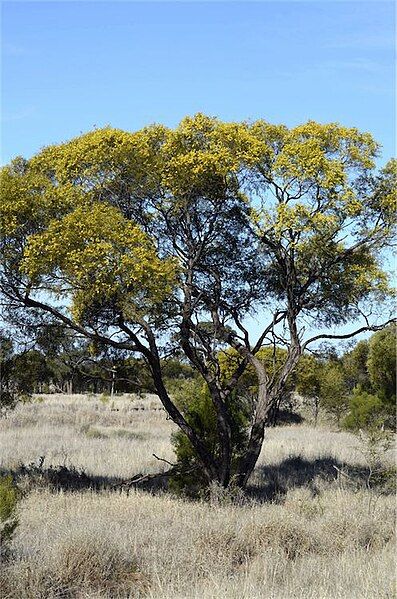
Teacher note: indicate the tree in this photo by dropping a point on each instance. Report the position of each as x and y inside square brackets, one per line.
[137, 240]
[381, 364]
[372, 405]
[355, 366]
[308, 384]
[273, 359]
[325, 383]
[8, 384]
[333, 390]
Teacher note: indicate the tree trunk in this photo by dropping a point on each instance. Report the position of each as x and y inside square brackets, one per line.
[267, 399]
[250, 457]
[224, 434]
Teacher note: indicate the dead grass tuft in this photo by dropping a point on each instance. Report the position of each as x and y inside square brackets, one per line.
[79, 568]
[286, 536]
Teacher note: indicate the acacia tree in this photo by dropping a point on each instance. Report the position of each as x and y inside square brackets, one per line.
[167, 240]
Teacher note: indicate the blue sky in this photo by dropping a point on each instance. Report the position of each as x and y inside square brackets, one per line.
[70, 66]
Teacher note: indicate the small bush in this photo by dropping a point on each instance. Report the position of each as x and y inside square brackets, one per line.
[194, 400]
[293, 538]
[374, 444]
[9, 496]
[226, 546]
[366, 411]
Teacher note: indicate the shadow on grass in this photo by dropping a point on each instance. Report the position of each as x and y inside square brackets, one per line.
[58, 478]
[274, 481]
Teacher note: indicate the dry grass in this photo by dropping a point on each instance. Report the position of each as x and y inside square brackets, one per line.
[320, 537]
[116, 438]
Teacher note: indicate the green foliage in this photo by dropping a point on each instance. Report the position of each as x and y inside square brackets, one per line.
[308, 382]
[69, 225]
[366, 411]
[355, 366]
[322, 382]
[135, 239]
[334, 394]
[21, 373]
[8, 387]
[9, 496]
[382, 364]
[362, 382]
[30, 370]
[373, 364]
[103, 257]
[194, 399]
[105, 397]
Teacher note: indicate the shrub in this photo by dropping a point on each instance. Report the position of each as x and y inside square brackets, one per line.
[194, 400]
[366, 411]
[9, 496]
[374, 444]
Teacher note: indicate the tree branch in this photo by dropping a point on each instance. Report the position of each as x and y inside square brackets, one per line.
[349, 335]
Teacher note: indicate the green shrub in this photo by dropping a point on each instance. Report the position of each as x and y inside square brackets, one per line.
[9, 496]
[193, 398]
[366, 411]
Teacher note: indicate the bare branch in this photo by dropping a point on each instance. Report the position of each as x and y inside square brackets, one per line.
[349, 335]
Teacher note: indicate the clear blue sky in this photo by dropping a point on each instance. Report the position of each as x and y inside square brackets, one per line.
[70, 66]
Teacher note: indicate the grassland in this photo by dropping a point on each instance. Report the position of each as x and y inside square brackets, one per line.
[313, 527]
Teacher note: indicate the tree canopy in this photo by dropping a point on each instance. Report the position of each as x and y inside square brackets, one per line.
[139, 240]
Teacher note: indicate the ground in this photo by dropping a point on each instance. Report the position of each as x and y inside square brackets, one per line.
[314, 526]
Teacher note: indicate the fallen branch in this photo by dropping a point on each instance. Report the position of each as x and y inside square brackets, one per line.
[163, 460]
[140, 478]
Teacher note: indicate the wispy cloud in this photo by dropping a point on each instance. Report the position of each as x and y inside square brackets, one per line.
[18, 115]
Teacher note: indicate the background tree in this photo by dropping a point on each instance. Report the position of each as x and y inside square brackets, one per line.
[308, 384]
[355, 366]
[381, 364]
[333, 390]
[8, 383]
[139, 239]
[372, 404]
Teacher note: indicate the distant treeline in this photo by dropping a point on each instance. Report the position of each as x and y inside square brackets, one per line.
[356, 388]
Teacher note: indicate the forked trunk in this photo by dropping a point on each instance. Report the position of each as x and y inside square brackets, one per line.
[267, 399]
